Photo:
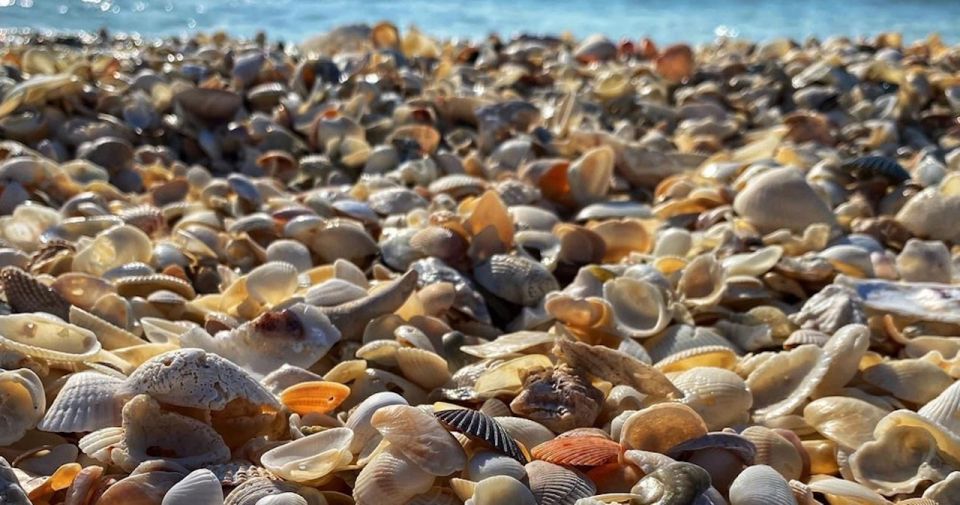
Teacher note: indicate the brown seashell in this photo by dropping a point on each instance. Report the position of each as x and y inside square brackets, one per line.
[660, 427]
[615, 367]
[25, 294]
[784, 189]
[558, 399]
[675, 63]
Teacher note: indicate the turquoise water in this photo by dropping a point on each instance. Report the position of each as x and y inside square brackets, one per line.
[664, 20]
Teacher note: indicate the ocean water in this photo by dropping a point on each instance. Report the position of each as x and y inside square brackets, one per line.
[663, 20]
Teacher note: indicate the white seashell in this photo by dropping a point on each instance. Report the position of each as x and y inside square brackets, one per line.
[272, 282]
[292, 252]
[753, 264]
[23, 403]
[365, 436]
[46, 336]
[112, 248]
[311, 458]
[283, 499]
[902, 458]
[838, 489]
[782, 383]
[638, 307]
[390, 479]
[199, 487]
[501, 489]
[847, 421]
[527, 432]
[420, 438]
[702, 281]
[484, 464]
[88, 401]
[424, 368]
[333, 292]
[720, 396]
[761, 485]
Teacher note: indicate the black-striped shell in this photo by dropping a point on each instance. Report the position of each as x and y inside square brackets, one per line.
[556, 485]
[868, 167]
[480, 426]
[24, 293]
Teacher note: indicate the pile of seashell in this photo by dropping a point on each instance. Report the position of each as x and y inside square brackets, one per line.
[383, 269]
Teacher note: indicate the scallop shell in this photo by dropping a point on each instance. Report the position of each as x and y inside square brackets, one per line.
[86, 402]
[578, 451]
[318, 397]
[720, 396]
[659, 427]
[481, 427]
[420, 437]
[365, 436]
[615, 367]
[422, 367]
[24, 293]
[23, 403]
[486, 464]
[199, 487]
[46, 336]
[555, 485]
[194, 378]
[673, 483]
[914, 380]
[502, 489]
[776, 451]
[515, 278]
[310, 459]
[761, 485]
[784, 189]
[390, 479]
[638, 307]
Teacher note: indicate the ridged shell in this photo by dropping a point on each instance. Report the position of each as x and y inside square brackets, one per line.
[672, 484]
[720, 396]
[515, 278]
[234, 473]
[390, 479]
[42, 335]
[915, 380]
[23, 401]
[25, 293]
[555, 485]
[761, 485]
[200, 487]
[785, 189]
[311, 458]
[577, 451]
[87, 402]
[421, 438]
[481, 427]
[775, 451]
[365, 436]
[501, 489]
[318, 397]
[253, 490]
[485, 464]
[144, 285]
[901, 459]
[616, 367]
[659, 427]
[283, 499]
[10, 489]
[422, 367]
[527, 432]
[509, 343]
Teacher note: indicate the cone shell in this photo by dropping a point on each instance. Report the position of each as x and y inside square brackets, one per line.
[420, 438]
[481, 427]
[318, 397]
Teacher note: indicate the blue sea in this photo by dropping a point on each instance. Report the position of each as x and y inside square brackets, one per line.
[663, 20]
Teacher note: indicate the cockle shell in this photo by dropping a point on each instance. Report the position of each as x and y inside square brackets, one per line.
[556, 485]
[311, 458]
[761, 485]
[515, 278]
[365, 436]
[479, 426]
[199, 487]
[578, 451]
[776, 451]
[23, 400]
[720, 396]
[924, 261]
[673, 483]
[786, 190]
[390, 479]
[88, 401]
[421, 438]
[25, 293]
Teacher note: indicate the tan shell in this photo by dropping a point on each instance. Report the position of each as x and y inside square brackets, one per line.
[845, 491]
[638, 307]
[509, 343]
[720, 396]
[422, 367]
[927, 214]
[659, 427]
[915, 380]
[847, 421]
[784, 189]
[902, 458]
[390, 479]
[112, 248]
[616, 367]
[502, 489]
[761, 485]
[23, 400]
[703, 281]
[776, 451]
[421, 438]
[311, 458]
[782, 383]
[589, 176]
[365, 436]
[924, 261]
[43, 335]
[557, 485]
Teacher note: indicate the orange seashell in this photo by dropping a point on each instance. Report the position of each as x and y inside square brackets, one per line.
[578, 451]
[314, 396]
[676, 63]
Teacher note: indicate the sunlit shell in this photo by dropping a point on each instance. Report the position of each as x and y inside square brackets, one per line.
[527, 432]
[200, 487]
[23, 400]
[24, 293]
[944, 490]
[365, 436]
[481, 427]
[46, 336]
[502, 489]
[314, 397]
[114, 247]
[420, 437]
[515, 278]
[702, 281]
[87, 402]
[776, 451]
[845, 491]
[424, 368]
[616, 367]
[311, 458]
[761, 485]
[556, 485]
[659, 427]
[674, 482]
[390, 479]
[484, 464]
[899, 460]
[638, 306]
[847, 421]
[720, 396]
[508, 344]
[916, 381]
[782, 383]
[797, 204]
[578, 451]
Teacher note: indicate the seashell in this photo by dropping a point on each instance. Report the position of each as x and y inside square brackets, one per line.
[527, 432]
[508, 344]
[486, 464]
[195, 379]
[578, 451]
[622, 237]
[902, 458]
[842, 355]
[144, 285]
[501, 275]
[924, 301]
[25, 294]
[924, 261]
[422, 367]
[199, 487]
[944, 491]
[845, 491]
[774, 450]
[481, 427]
[659, 427]
[390, 479]
[702, 281]
[786, 190]
[147, 430]
[589, 176]
[283, 499]
[753, 264]
[252, 491]
[145, 487]
[292, 252]
[352, 317]
[615, 367]
[555, 485]
[80, 289]
[720, 396]
[761, 484]
[112, 248]
[830, 309]
[847, 421]
[318, 397]
[264, 344]
[672, 484]
[312, 458]
[420, 438]
[111, 337]
[87, 402]
[916, 381]
[23, 403]
[558, 399]
[365, 436]
[501, 489]
[868, 167]
[46, 336]
[638, 307]
[927, 213]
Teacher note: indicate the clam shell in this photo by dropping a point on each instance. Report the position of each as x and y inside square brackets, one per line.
[112, 248]
[659, 427]
[318, 397]
[785, 189]
[283, 499]
[365, 436]
[915, 380]
[311, 458]
[199, 487]
[847, 421]
[502, 489]
[390, 479]
[420, 438]
[25, 294]
[46, 336]
[703, 281]
[87, 402]
[761, 485]
[781, 384]
[902, 458]
[775, 451]
[23, 400]
[720, 396]
[481, 427]
[577, 451]
[555, 485]
[527, 432]
[638, 306]
[836, 490]
[485, 464]
[615, 367]
[424, 368]
[515, 278]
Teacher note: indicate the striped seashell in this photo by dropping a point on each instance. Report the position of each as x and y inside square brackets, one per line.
[86, 402]
[578, 451]
[390, 479]
[761, 485]
[555, 485]
[24, 293]
[200, 487]
[479, 426]
[236, 472]
[144, 285]
[484, 464]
